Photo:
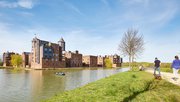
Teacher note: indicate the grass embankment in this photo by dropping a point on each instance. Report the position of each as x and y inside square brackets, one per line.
[1, 67]
[123, 87]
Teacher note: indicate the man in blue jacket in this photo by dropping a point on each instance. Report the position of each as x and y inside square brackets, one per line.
[176, 66]
[157, 66]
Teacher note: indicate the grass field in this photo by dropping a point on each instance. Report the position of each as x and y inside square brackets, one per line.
[123, 87]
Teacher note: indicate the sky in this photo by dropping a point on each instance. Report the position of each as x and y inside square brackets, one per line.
[94, 27]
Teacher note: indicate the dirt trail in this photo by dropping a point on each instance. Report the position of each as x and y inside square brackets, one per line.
[167, 76]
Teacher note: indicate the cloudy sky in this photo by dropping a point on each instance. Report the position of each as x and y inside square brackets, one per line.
[93, 27]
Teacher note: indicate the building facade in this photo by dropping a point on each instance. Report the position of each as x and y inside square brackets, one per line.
[73, 59]
[46, 55]
[100, 61]
[115, 59]
[7, 58]
[90, 61]
[26, 59]
[62, 43]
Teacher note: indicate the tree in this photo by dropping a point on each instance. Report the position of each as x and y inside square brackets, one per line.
[108, 63]
[1, 63]
[131, 45]
[16, 60]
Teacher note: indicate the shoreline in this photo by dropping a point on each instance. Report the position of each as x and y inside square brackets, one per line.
[68, 68]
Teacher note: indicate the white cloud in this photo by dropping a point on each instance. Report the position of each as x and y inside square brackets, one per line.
[26, 14]
[28, 4]
[8, 4]
[73, 7]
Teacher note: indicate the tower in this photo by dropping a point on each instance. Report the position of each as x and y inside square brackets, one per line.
[61, 43]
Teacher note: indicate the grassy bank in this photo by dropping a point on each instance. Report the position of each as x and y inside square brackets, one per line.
[168, 70]
[1, 67]
[123, 87]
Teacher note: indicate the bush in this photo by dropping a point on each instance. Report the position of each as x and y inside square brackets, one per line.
[1, 63]
[16, 60]
[108, 63]
[166, 65]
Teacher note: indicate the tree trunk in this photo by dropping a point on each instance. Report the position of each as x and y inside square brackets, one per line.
[129, 61]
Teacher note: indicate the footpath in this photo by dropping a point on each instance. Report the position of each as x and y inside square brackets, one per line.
[166, 76]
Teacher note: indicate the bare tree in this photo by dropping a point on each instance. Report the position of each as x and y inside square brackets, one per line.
[131, 45]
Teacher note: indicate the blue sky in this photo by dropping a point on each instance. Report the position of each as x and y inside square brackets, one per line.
[94, 27]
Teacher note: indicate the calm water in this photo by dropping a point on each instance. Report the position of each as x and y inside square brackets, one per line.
[36, 85]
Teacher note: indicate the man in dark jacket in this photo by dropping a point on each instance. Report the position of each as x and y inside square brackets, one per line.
[157, 66]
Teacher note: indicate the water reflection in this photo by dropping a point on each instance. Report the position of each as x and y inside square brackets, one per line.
[35, 85]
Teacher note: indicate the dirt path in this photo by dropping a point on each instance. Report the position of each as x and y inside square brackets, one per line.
[167, 76]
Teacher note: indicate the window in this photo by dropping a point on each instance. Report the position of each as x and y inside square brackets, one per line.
[45, 49]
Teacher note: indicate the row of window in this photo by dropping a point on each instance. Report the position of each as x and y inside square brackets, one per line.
[48, 49]
[52, 59]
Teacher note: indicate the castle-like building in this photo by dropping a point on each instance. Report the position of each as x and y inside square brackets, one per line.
[45, 54]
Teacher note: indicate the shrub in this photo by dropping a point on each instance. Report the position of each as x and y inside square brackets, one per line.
[108, 63]
[1, 63]
[16, 60]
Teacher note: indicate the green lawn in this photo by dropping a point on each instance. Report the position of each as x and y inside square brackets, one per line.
[123, 87]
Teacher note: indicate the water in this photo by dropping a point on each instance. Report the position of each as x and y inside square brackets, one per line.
[36, 85]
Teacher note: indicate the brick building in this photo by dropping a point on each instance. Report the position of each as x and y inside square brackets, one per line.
[7, 58]
[73, 59]
[90, 61]
[100, 61]
[46, 54]
[115, 59]
[26, 59]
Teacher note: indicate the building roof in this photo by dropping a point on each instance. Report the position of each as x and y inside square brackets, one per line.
[61, 40]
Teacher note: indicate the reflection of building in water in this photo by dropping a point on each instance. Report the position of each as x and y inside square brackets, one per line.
[36, 84]
[86, 76]
[100, 73]
[93, 75]
[45, 84]
[74, 80]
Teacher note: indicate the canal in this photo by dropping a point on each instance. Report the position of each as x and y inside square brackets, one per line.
[36, 85]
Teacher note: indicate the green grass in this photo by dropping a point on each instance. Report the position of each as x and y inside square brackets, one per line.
[123, 87]
[1, 67]
[166, 70]
[169, 70]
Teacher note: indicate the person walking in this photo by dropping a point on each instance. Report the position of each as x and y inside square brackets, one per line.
[157, 66]
[175, 66]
